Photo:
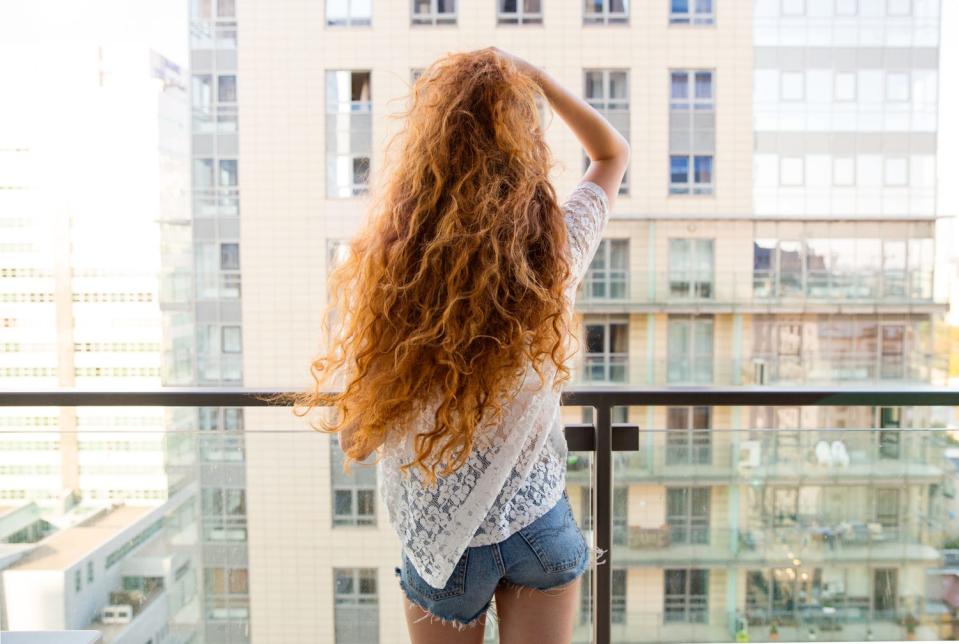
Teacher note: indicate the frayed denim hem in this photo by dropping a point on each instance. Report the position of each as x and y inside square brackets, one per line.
[472, 622]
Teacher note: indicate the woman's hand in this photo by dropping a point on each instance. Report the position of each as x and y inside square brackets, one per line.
[522, 65]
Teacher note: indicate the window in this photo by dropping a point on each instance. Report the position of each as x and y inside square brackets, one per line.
[434, 12]
[77, 580]
[606, 277]
[791, 171]
[618, 604]
[792, 86]
[691, 12]
[898, 7]
[793, 7]
[897, 86]
[687, 514]
[226, 88]
[692, 131]
[691, 268]
[887, 507]
[519, 12]
[890, 421]
[348, 13]
[847, 7]
[690, 349]
[354, 494]
[89, 572]
[685, 596]
[349, 133]
[356, 606]
[215, 445]
[606, 350]
[844, 89]
[605, 12]
[224, 514]
[688, 435]
[885, 593]
[227, 593]
[230, 339]
[607, 91]
[620, 512]
[229, 256]
[843, 171]
[895, 171]
[680, 181]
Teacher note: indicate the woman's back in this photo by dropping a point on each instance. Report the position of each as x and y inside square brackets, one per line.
[516, 469]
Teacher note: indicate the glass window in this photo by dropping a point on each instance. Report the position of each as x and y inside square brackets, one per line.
[689, 349]
[607, 91]
[792, 86]
[691, 268]
[356, 606]
[844, 171]
[434, 12]
[897, 86]
[845, 86]
[519, 12]
[896, 171]
[680, 182]
[687, 514]
[230, 256]
[691, 12]
[791, 171]
[231, 342]
[226, 88]
[348, 13]
[606, 350]
[688, 436]
[349, 136]
[606, 277]
[686, 593]
[354, 494]
[227, 177]
[605, 12]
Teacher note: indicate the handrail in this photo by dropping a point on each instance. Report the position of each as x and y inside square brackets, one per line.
[599, 437]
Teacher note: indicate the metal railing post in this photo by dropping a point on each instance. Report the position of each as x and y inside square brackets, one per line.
[603, 522]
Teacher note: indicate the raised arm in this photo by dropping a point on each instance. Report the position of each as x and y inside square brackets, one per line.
[607, 149]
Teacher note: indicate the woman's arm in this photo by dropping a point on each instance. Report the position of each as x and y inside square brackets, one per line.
[607, 149]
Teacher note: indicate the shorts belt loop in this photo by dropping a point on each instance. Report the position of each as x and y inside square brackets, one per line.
[498, 556]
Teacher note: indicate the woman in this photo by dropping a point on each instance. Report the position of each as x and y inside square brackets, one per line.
[453, 315]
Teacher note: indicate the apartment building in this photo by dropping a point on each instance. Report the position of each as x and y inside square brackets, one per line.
[776, 227]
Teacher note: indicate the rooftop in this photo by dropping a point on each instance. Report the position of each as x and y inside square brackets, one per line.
[61, 550]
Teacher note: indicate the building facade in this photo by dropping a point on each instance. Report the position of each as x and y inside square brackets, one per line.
[776, 227]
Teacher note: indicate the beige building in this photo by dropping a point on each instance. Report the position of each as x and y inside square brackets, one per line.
[775, 227]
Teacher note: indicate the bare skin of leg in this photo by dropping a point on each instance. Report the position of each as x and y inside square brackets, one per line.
[433, 631]
[533, 616]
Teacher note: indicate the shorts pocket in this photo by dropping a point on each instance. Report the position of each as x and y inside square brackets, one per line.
[556, 539]
[455, 585]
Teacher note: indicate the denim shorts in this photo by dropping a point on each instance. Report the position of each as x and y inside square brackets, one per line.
[549, 552]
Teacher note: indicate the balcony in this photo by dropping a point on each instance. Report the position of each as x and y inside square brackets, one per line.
[757, 291]
[826, 545]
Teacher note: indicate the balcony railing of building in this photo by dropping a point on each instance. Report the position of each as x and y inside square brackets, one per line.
[621, 289]
[784, 544]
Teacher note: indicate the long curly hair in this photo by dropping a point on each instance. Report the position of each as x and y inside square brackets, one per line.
[455, 284]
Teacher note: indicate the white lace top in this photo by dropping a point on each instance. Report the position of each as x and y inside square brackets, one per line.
[511, 479]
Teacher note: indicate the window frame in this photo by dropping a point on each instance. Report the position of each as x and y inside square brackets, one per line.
[611, 274]
[691, 354]
[608, 359]
[434, 18]
[692, 17]
[520, 17]
[606, 17]
[334, 109]
[607, 105]
[686, 614]
[350, 21]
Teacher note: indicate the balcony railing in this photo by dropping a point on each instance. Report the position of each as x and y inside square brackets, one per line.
[828, 290]
[776, 537]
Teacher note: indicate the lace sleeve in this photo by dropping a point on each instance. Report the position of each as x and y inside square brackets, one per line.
[586, 211]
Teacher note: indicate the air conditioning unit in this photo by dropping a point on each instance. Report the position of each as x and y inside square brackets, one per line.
[749, 453]
[117, 614]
